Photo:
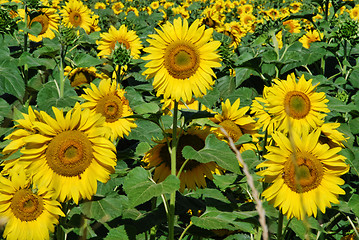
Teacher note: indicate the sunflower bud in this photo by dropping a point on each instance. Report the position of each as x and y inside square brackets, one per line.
[68, 36]
[7, 24]
[349, 30]
[121, 55]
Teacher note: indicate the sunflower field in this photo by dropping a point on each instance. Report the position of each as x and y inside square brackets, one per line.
[186, 120]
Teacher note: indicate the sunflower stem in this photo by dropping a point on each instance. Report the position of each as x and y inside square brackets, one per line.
[185, 230]
[181, 169]
[280, 225]
[171, 215]
[61, 72]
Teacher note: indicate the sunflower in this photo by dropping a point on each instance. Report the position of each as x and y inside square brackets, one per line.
[310, 37]
[80, 76]
[194, 173]
[109, 100]
[69, 153]
[296, 104]
[304, 173]
[76, 14]
[293, 26]
[236, 123]
[30, 213]
[331, 136]
[117, 7]
[354, 13]
[49, 20]
[181, 60]
[129, 39]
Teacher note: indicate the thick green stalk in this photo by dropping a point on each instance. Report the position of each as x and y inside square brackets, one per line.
[171, 215]
[280, 226]
[61, 74]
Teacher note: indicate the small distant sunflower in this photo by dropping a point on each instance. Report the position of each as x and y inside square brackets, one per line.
[132, 9]
[304, 173]
[296, 104]
[273, 13]
[236, 123]
[49, 20]
[293, 26]
[154, 5]
[295, 7]
[354, 13]
[80, 76]
[117, 7]
[181, 60]
[109, 100]
[129, 39]
[30, 213]
[100, 5]
[194, 173]
[70, 153]
[76, 14]
[310, 37]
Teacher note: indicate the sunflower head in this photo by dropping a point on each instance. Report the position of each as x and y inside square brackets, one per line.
[181, 60]
[25, 204]
[295, 104]
[304, 173]
[109, 100]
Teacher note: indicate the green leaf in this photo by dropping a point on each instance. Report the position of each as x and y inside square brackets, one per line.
[224, 220]
[144, 108]
[48, 96]
[189, 114]
[354, 204]
[118, 233]
[86, 60]
[224, 181]
[103, 210]
[11, 81]
[302, 229]
[35, 28]
[354, 77]
[214, 150]
[336, 105]
[354, 125]
[145, 131]
[5, 109]
[243, 73]
[210, 98]
[27, 58]
[140, 188]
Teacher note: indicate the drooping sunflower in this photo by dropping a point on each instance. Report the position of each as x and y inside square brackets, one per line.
[30, 213]
[109, 100]
[194, 173]
[304, 173]
[80, 76]
[76, 14]
[49, 20]
[236, 122]
[296, 104]
[70, 153]
[181, 60]
[292, 25]
[122, 36]
[331, 135]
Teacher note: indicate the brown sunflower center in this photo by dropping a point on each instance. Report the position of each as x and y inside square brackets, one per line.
[111, 107]
[303, 173]
[75, 18]
[297, 104]
[186, 140]
[232, 129]
[181, 60]
[69, 153]
[43, 20]
[26, 206]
